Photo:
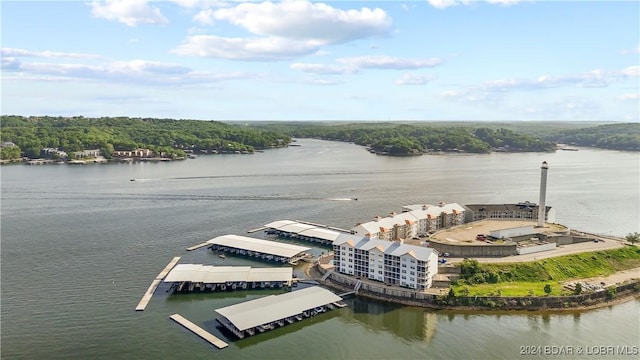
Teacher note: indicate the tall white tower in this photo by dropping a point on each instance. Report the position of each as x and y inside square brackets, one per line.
[543, 194]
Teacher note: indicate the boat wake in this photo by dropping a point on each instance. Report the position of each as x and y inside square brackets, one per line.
[342, 199]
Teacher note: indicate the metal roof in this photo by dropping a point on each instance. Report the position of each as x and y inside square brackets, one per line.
[280, 223]
[320, 233]
[258, 245]
[220, 274]
[275, 307]
[296, 228]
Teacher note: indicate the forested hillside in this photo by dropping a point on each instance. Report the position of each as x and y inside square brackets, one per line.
[32, 134]
[408, 139]
[612, 136]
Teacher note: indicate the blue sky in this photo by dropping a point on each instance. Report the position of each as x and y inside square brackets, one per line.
[494, 60]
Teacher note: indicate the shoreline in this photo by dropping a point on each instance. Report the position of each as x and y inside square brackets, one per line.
[312, 272]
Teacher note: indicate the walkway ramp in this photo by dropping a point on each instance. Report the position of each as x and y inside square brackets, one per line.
[199, 331]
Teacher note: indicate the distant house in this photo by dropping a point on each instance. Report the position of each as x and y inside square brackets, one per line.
[7, 144]
[137, 153]
[87, 153]
[54, 152]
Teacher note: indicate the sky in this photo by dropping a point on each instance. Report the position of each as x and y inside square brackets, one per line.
[484, 60]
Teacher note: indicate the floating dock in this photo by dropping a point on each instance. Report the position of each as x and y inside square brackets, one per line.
[199, 331]
[197, 277]
[154, 284]
[270, 312]
[191, 248]
[258, 248]
[305, 231]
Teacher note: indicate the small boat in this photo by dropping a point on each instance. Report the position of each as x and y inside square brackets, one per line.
[222, 256]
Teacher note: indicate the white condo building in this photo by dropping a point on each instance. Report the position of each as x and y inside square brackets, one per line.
[413, 221]
[391, 262]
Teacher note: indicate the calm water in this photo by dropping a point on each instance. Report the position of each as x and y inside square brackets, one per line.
[80, 245]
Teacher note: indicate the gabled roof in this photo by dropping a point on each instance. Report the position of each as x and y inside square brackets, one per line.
[394, 248]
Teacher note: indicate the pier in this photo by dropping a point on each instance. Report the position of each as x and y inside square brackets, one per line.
[191, 248]
[154, 284]
[199, 331]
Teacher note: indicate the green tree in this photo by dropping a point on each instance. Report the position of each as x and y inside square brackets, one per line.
[633, 237]
[547, 289]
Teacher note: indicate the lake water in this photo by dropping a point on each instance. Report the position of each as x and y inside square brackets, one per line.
[81, 244]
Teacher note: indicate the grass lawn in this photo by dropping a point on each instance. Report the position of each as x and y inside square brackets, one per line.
[518, 279]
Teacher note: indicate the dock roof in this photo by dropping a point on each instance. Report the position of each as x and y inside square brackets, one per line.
[320, 233]
[220, 274]
[280, 223]
[258, 245]
[276, 307]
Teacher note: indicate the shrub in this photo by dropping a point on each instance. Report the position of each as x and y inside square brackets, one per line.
[547, 289]
[578, 289]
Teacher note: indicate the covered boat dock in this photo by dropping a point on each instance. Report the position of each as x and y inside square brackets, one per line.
[197, 277]
[258, 248]
[267, 313]
[303, 231]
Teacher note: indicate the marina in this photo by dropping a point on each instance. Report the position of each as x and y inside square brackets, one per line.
[257, 316]
[154, 284]
[197, 277]
[306, 231]
[259, 249]
[198, 331]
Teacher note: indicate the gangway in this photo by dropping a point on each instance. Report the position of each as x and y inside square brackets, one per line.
[327, 274]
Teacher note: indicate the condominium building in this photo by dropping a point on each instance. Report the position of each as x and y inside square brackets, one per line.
[415, 220]
[391, 262]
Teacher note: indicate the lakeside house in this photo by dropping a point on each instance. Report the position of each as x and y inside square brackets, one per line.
[391, 262]
[137, 153]
[415, 220]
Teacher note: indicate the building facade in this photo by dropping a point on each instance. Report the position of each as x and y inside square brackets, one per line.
[415, 220]
[391, 262]
[520, 211]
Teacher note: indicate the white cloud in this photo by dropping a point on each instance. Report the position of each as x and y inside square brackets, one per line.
[133, 72]
[129, 12]
[284, 30]
[442, 4]
[629, 97]
[12, 52]
[634, 51]
[414, 79]
[267, 49]
[304, 20]
[322, 69]
[388, 62]
[631, 71]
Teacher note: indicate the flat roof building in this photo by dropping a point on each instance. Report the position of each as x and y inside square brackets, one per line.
[262, 249]
[269, 312]
[521, 211]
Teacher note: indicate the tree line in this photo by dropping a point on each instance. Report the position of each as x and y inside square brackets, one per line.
[168, 136]
[611, 136]
[406, 139]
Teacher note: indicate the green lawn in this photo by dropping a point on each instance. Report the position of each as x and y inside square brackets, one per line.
[519, 279]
